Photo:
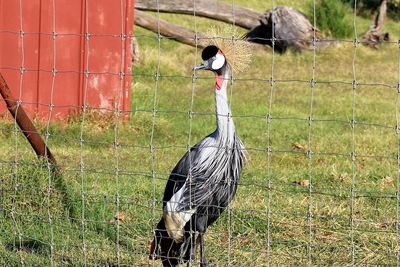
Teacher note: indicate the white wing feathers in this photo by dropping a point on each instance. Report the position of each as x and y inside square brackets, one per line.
[175, 220]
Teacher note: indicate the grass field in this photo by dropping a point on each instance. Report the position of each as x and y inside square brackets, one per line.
[323, 208]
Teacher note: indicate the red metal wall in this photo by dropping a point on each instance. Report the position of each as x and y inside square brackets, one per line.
[67, 53]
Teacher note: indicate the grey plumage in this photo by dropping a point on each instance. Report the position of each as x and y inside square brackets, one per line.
[220, 159]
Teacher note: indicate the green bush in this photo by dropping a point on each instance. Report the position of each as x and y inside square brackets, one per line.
[366, 7]
[332, 17]
[394, 9]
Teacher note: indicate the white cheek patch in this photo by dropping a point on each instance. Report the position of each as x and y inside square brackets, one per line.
[218, 62]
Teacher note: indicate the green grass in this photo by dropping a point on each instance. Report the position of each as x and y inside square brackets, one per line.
[36, 228]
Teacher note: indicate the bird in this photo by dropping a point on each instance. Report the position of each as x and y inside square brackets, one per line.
[205, 179]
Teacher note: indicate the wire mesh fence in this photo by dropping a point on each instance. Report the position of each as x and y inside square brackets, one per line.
[320, 127]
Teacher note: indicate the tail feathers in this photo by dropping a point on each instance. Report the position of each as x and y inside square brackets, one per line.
[168, 249]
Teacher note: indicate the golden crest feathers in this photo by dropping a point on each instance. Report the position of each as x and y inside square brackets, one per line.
[236, 50]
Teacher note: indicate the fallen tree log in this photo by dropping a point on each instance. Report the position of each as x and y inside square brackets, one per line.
[292, 29]
[212, 9]
[374, 36]
[176, 32]
[165, 28]
[288, 26]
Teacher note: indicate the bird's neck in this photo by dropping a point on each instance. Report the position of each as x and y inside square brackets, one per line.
[225, 126]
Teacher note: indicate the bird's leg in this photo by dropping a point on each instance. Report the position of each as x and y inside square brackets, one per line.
[193, 248]
[203, 261]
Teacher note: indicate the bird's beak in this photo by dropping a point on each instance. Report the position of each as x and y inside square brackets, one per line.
[202, 66]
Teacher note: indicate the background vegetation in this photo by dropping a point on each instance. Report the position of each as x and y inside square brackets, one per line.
[334, 18]
[348, 215]
[366, 7]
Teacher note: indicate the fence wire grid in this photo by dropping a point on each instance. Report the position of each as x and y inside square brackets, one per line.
[321, 129]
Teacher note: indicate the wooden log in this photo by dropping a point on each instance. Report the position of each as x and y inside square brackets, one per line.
[292, 28]
[289, 27]
[380, 17]
[167, 29]
[135, 50]
[212, 9]
[374, 35]
[176, 32]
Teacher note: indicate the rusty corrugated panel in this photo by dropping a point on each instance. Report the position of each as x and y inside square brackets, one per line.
[28, 59]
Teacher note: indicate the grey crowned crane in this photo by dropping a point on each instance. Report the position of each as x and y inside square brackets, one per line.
[204, 181]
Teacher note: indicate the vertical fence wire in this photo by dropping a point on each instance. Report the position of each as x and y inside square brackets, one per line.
[117, 114]
[153, 122]
[269, 148]
[47, 132]
[353, 142]
[82, 129]
[190, 113]
[228, 148]
[16, 134]
[309, 142]
[397, 135]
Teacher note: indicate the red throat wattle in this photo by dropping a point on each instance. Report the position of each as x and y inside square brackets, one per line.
[219, 81]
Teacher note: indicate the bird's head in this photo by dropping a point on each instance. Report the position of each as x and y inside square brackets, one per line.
[213, 59]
